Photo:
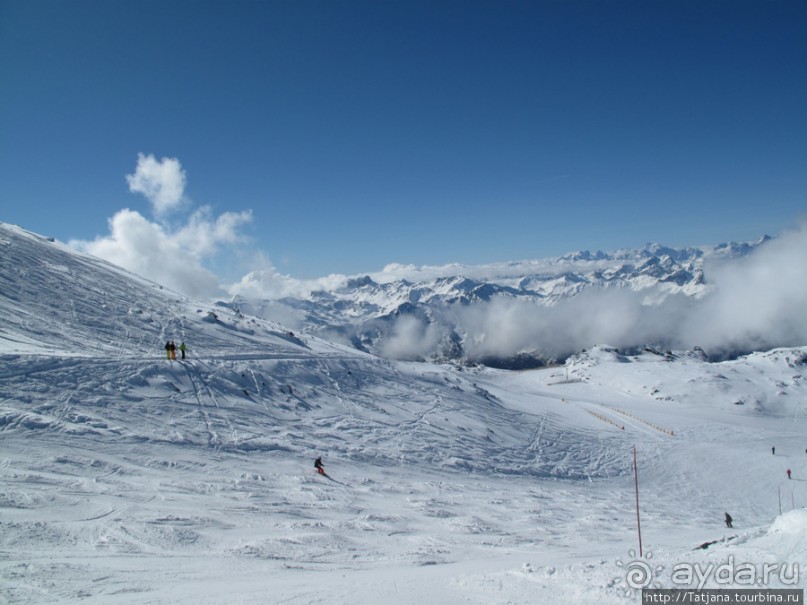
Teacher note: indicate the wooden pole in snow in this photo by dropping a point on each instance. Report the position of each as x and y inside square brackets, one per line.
[638, 521]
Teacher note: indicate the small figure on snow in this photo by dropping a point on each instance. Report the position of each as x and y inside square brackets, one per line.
[318, 466]
[183, 348]
[173, 351]
[773, 451]
[788, 473]
[728, 520]
[168, 350]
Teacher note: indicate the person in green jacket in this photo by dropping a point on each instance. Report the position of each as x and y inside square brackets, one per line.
[183, 348]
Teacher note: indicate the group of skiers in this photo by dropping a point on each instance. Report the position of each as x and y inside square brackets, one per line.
[171, 350]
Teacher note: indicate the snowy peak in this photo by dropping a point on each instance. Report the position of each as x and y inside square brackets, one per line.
[456, 312]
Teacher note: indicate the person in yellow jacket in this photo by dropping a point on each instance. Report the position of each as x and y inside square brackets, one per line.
[183, 348]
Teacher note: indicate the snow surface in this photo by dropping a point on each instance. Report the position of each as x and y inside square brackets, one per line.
[128, 478]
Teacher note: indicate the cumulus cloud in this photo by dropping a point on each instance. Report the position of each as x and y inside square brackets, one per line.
[203, 234]
[267, 283]
[161, 181]
[174, 256]
[145, 248]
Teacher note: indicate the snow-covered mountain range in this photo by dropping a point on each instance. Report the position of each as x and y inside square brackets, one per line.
[452, 313]
[126, 477]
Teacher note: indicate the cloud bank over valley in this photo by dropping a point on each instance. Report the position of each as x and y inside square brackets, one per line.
[725, 299]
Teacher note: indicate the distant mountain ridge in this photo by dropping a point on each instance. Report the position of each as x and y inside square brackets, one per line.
[369, 312]
[512, 315]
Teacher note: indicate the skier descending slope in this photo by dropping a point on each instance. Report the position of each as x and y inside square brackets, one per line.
[321, 470]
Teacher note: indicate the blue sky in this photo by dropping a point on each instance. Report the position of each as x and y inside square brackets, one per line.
[318, 137]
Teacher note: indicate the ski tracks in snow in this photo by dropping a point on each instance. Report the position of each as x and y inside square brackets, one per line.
[206, 400]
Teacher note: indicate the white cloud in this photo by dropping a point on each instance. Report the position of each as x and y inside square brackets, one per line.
[162, 182]
[617, 317]
[146, 249]
[759, 300]
[203, 234]
[267, 283]
[172, 256]
[754, 302]
[410, 338]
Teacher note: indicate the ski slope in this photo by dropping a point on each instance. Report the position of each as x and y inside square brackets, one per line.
[128, 478]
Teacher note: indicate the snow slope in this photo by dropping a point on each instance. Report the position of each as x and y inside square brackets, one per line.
[128, 478]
